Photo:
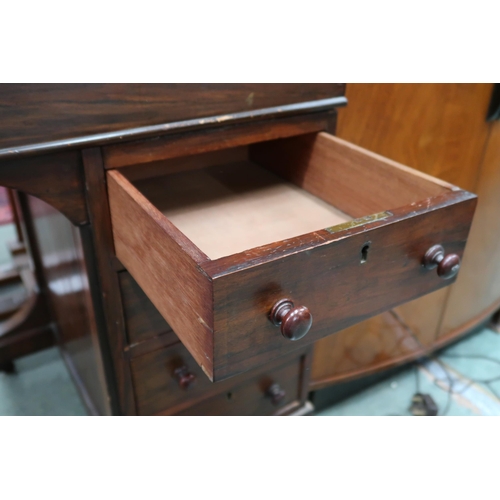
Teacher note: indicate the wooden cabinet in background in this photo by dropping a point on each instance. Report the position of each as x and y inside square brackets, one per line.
[440, 129]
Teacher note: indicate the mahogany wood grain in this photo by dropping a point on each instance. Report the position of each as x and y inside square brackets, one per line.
[251, 397]
[37, 113]
[294, 321]
[212, 139]
[57, 179]
[206, 301]
[166, 266]
[152, 344]
[185, 163]
[142, 319]
[355, 180]
[428, 127]
[330, 279]
[158, 392]
[105, 286]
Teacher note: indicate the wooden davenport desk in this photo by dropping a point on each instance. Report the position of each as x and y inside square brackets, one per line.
[193, 243]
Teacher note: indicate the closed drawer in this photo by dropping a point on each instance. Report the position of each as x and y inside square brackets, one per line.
[253, 397]
[168, 381]
[238, 257]
[142, 319]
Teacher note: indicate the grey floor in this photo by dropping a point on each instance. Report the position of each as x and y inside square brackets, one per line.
[463, 380]
[42, 385]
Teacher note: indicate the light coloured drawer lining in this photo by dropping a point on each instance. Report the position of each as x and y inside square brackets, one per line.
[231, 208]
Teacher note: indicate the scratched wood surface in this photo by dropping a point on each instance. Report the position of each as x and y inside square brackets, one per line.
[333, 281]
[353, 179]
[212, 139]
[166, 266]
[234, 294]
[38, 113]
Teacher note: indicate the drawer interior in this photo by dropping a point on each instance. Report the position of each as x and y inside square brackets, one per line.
[278, 190]
[216, 240]
[230, 208]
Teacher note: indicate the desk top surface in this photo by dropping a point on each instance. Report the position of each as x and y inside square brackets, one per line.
[67, 115]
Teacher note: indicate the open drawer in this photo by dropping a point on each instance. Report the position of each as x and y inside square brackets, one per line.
[252, 254]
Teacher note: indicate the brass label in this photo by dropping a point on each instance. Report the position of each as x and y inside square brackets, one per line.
[358, 222]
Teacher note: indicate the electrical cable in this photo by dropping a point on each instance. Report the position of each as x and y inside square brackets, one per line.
[451, 381]
[427, 357]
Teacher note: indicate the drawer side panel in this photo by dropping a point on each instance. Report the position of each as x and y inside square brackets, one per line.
[163, 267]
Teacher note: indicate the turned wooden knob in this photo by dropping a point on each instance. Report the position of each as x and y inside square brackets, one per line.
[275, 393]
[447, 265]
[184, 377]
[295, 322]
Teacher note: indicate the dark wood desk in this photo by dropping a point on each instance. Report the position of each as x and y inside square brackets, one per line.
[145, 317]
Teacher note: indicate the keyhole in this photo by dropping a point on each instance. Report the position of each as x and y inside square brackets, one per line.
[229, 396]
[364, 252]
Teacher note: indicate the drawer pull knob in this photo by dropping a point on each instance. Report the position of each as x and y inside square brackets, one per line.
[447, 265]
[295, 322]
[184, 377]
[275, 393]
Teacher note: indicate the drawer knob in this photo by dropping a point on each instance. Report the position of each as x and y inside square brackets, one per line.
[447, 265]
[295, 322]
[275, 393]
[184, 377]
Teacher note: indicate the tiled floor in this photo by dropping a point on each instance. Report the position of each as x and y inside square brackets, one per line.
[471, 368]
[43, 386]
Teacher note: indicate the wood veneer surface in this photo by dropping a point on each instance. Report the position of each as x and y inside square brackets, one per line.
[231, 208]
[478, 285]
[33, 113]
[439, 129]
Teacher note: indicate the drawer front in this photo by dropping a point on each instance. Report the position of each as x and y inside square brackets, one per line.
[334, 281]
[142, 319]
[252, 399]
[168, 381]
[237, 311]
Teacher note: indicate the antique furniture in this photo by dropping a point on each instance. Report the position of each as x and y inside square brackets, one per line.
[194, 244]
